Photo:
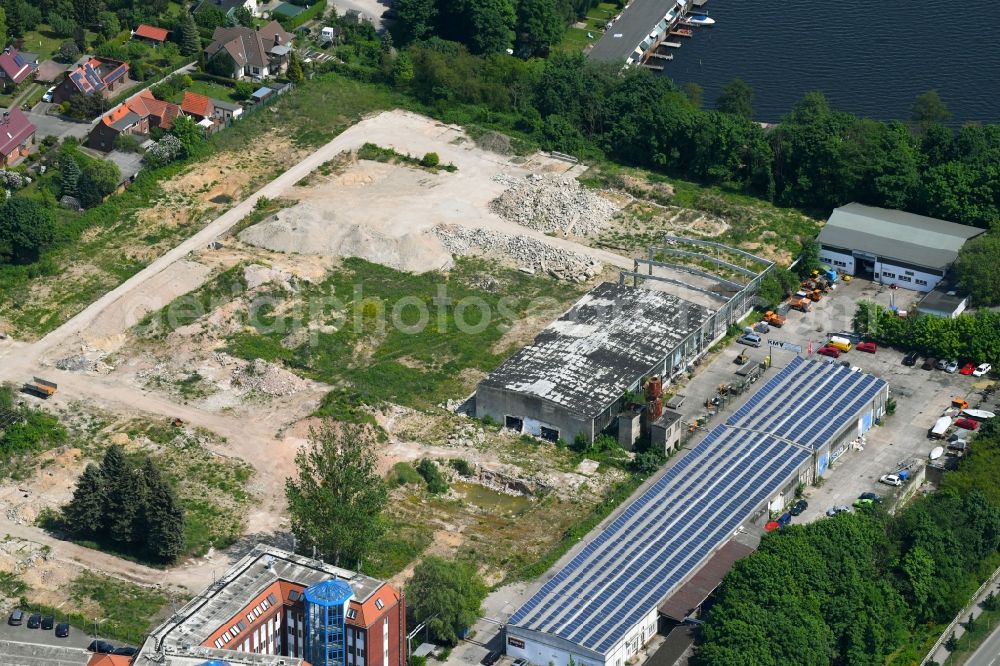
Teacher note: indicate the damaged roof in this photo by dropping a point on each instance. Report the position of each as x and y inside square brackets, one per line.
[600, 347]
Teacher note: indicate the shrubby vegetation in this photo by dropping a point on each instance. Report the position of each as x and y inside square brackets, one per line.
[24, 429]
[447, 595]
[858, 587]
[978, 269]
[974, 337]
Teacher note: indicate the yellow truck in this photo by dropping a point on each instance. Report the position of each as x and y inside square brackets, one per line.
[837, 342]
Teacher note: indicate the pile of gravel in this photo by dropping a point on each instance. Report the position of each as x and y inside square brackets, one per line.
[552, 204]
[263, 377]
[529, 254]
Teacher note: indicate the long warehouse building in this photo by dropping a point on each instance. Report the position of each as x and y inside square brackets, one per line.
[602, 607]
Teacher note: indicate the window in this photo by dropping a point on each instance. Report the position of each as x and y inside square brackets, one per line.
[218, 642]
[226, 637]
[905, 278]
[250, 616]
[378, 604]
[909, 272]
[272, 599]
[922, 283]
[550, 434]
[235, 629]
[264, 604]
[256, 611]
[888, 274]
[351, 613]
[513, 423]
[294, 595]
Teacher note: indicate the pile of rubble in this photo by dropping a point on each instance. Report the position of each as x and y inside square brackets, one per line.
[529, 254]
[554, 204]
[85, 363]
[267, 378]
[467, 434]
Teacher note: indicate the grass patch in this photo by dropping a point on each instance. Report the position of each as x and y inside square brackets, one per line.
[128, 610]
[383, 335]
[263, 209]
[213, 90]
[401, 544]
[429, 162]
[576, 39]
[187, 309]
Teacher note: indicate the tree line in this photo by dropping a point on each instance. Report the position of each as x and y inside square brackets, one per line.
[815, 158]
[967, 337]
[853, 589]
[129, 505]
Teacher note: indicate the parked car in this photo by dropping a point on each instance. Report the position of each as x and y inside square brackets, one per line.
[771, 526]
[875, 497]
[749, 339]
[929, 363]
[47, 622]
[869, 347]
[890, 480]
[35, 621]
[839, 508]
[102, 647]
[967, 424]
[968, 369]
[799, 507]
[941, 364]
[47, 97]
[62, 630]
[16, 617]
[982, 369]
[127, 651]
[785, 518]
[863, 502]
[952, 367]
[911, 358]
[832, 352]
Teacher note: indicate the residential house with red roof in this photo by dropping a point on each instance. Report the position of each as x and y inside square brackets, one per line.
[95, 76]
[197, 106]
[16, 136]
[136, 116]
[257, 54]
[151, 34]
[15, 67]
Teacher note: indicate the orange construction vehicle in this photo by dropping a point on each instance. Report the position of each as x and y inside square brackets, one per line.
[800, 304]
[774, 319]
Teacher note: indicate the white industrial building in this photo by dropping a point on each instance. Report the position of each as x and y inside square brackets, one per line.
[602, 607]
[892, 246]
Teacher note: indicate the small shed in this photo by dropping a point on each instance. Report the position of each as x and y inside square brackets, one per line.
[261, 95]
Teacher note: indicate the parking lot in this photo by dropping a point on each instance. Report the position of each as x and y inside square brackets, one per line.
[42, 637]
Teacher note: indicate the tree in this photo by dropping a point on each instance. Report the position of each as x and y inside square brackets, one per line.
[978, 269]
[295, 72]
[70, 171]
[187, 37]
[929, 109]
[98, 179]
[540, 24]
[242, 16]
[162, 516]
[3, 25]
[446, 594]
[86, 11]
[27, 227]
[736, 97]
[414, 19]
[695, 93]
[109, 25]
[222, 64]
[188, 133]
[808, 257]
[491, 25]
[337, 499]
[210, 16]
[123, 496]
[68, 51]
[85, 512]
[61, 24]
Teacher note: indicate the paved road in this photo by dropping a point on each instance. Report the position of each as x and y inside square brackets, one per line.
[988, 653]
[34, 654]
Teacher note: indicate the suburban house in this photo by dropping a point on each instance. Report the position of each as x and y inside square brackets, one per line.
[96, 75]
[15, 67]
[229, 6]
[257, 54]
[16, 136]
[136, 116]
[150, 34]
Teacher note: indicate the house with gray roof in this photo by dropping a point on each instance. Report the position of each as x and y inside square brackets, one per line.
[256, 54]
[892, 246]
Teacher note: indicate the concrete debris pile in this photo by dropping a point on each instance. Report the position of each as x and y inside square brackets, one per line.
[263, 377]
[84, 363]
[529, 254]
[468, 434]
[556, 204]
[511, 481]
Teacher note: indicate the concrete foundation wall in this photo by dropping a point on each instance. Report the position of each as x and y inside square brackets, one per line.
[498, 403]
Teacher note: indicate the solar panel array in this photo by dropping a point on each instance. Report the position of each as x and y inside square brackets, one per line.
[662, 537]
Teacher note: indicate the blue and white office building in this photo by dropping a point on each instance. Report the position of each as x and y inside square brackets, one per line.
[602, 607]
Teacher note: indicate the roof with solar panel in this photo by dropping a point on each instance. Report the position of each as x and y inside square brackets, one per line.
[696, 506]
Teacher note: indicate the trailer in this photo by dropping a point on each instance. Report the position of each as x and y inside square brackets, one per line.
[940, 428]
[39, 387]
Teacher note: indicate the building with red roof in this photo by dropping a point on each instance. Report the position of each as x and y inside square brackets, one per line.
[95, 76]
[136, 116]
[151, 33]
[274, 607]
[15, 67]
[197, 106]
[17, 135]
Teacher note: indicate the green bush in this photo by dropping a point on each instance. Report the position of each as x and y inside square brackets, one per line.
[436, 483]
[462, 466]
[430, 160]
[404, 474]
